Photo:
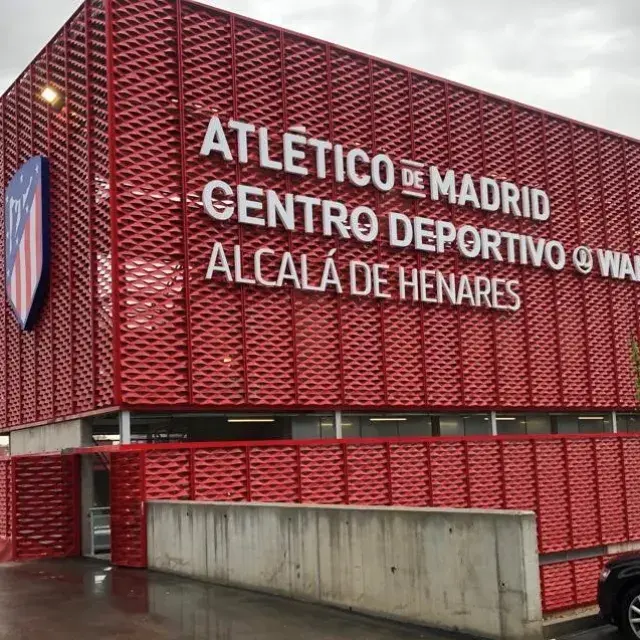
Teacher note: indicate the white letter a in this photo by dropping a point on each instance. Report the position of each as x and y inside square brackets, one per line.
[215, 140]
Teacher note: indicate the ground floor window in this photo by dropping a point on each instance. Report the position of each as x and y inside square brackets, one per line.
[245, 426]
[628, 422]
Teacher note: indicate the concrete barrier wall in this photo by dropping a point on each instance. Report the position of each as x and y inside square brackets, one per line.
[465, 570]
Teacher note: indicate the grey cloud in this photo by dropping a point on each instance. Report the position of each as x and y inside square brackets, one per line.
[25, 27]
[580, 58]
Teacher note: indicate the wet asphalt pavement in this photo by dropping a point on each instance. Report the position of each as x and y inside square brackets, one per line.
[600, 633]
[85, 600]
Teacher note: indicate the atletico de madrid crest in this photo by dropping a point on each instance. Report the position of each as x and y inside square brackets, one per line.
[27, 253]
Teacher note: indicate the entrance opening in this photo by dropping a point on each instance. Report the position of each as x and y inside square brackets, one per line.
[96, 506]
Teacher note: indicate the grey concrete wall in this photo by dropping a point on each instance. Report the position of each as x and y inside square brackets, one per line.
[51, 437]
[464, 570]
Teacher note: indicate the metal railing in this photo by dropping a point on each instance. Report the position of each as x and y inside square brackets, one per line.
[100, 527]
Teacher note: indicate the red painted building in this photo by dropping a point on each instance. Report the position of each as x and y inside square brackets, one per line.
[132, 322]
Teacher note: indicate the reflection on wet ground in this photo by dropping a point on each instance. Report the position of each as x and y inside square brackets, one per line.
[85, 600]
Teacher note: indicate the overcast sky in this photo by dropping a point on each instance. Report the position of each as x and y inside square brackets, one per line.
[579, 58]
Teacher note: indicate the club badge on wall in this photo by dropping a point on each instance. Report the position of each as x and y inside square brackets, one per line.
[27, 249]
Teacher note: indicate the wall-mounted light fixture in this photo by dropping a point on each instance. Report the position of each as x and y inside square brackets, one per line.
[53, 97]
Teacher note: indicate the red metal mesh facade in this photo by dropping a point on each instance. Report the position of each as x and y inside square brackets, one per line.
[127, 510]
[64, 366]
[576, 485]
[46, 513]
[188, 341]
[5, 498]
[141, 80]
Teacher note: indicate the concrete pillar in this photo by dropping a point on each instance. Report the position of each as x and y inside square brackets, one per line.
[494, 424]
[338, 421]
[124, 427]
[51, 437]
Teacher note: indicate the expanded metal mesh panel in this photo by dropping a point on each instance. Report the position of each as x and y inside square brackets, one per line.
[449, 474]
[486, 478]
[3, 292]
[64, 366]
[46, 508]
[44, 327]
[443, 368]
[24, 118]
[558, 586]
[569, 289]
[100, 220]
[188, 340]
[631, 165]
[368, 474]
[509, 332]
[218, 344]
[631, 470]
[128, 524]
[221, 474]
[581, 488]
[270, 353]
[519, 475]
[586, 580]
[167, 475]
[12, 380]
[5, 498]
[322, 474]
[583, 493]
[597, 291]
[150, 285]
[80, 218]
[274, 474]
[410, 481]
[554, 516]
[61, 284]
[566, 585]
[611, 500]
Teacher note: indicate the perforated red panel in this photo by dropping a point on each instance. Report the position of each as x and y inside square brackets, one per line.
[630, 454]
[128, 535]
[5, 498]
[273, 474]
[220, 474]
[167, 475]
[65, 365]
[410, 479]
[186, 340]
[449, 474]
[322, 470]
[580, 487]
[553, 496]
[47, 510]
[182, 340]
[558, 586]
[584, 527]
[570, 584]
[368, 474]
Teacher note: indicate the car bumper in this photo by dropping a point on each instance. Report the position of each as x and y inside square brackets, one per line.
[606, 601]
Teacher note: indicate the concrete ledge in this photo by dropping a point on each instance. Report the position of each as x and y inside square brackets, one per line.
[466, 571]
[50, 437]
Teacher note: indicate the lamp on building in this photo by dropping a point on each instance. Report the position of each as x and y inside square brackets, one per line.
[53, 97]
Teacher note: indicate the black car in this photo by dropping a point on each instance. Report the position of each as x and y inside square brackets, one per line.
[619, 594]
